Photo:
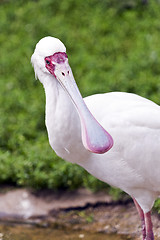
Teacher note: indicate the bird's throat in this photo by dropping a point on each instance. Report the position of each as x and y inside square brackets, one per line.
[62, 122]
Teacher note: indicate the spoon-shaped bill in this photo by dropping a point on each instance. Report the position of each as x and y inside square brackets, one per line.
[94, 137]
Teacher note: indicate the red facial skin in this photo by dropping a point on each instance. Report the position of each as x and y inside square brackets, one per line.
[59, 57]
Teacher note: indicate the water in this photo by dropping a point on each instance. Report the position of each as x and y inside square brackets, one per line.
[23, 232]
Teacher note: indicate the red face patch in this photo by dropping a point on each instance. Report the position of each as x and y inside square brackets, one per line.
[59, 57]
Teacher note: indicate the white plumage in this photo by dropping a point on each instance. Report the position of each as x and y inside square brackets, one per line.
[132, 160]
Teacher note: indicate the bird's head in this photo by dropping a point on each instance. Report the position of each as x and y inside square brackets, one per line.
[50, 59]
[48, 53]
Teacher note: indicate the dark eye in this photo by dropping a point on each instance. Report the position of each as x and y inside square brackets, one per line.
[48, 62]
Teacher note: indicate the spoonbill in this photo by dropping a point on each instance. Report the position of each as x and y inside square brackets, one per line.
[114, 136]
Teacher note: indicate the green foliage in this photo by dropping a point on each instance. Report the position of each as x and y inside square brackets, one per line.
[116, 193]
[112, 46]
[157, 205]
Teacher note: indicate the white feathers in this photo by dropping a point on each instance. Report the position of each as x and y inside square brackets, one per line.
[48, 46]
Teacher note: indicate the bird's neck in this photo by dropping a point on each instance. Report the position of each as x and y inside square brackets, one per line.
[62, 121]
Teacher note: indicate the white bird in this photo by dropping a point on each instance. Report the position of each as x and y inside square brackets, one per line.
[130, 149]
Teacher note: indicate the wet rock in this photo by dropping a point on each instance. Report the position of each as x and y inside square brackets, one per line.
[26, 204]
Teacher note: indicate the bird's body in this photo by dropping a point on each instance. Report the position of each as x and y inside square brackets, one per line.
[134, 124]
[133, 161]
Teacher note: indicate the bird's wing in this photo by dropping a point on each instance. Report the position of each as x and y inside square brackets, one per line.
[134, 124]
[120, 108]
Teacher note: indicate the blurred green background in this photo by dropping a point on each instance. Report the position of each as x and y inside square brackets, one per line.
[112, 46]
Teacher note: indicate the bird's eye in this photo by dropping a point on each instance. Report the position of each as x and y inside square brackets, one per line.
[48, 62]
